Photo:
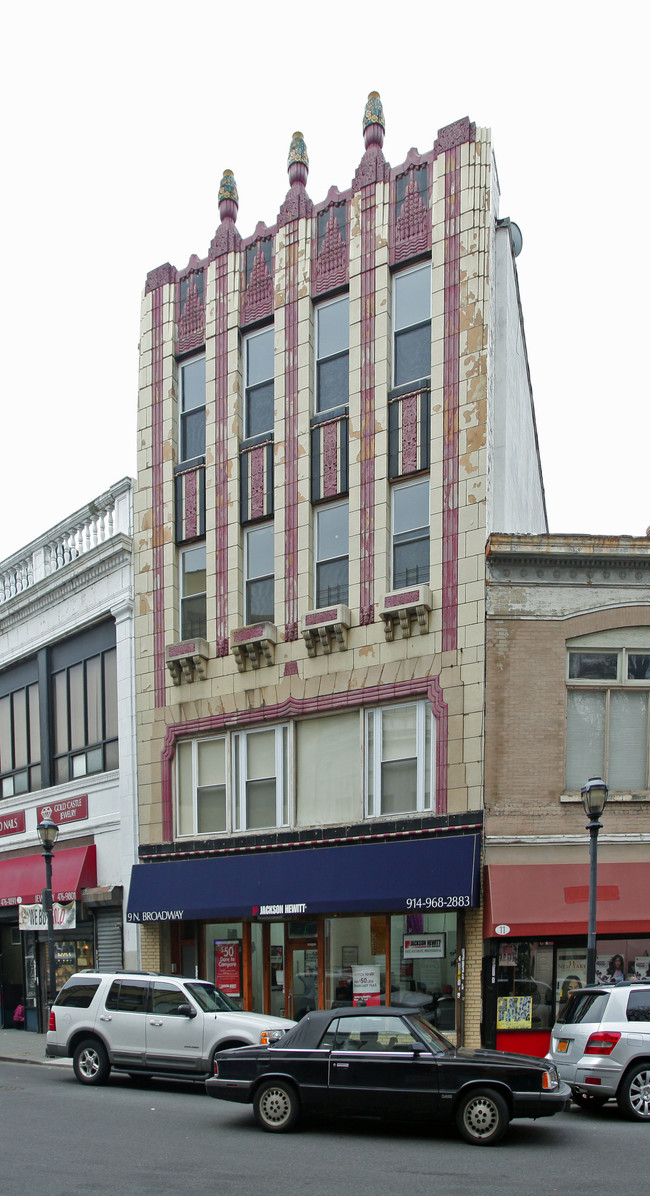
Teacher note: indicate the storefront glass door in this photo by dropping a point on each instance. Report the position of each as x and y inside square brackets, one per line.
[301, 977]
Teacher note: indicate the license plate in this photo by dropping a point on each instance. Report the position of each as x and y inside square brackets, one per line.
[563, 1044]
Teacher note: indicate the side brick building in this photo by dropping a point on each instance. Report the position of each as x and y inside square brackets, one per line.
[334, 413]
[567, 699]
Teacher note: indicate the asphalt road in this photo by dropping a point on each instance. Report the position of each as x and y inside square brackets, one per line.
[168, 1139]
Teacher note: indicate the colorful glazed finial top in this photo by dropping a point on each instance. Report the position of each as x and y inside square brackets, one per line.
[374, 124]
[228, 196]
[298, 160]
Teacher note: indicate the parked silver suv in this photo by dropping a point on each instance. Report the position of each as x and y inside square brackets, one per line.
[600, 1045]
[147, 1024]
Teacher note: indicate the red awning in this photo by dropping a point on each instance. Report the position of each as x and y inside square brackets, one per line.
[540, 900]
[23, 878]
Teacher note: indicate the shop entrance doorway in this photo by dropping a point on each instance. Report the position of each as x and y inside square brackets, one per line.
[301, 977]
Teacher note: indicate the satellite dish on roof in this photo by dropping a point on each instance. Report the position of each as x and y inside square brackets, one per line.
[517, 239]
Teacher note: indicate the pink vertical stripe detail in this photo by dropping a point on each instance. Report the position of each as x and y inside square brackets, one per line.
[221, 451]
[291, 432]
[191, 511]
[409, 421]
[367, 402]
[158, 514]
[256, 462]
[450, 401]
[330, 458]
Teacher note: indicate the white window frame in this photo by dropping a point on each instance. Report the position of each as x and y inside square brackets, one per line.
[182, 413]
[268, 330]
[283, 748]
[319, 358]
[406, 327]
[608, 686]
[194, 743]
[373, 760]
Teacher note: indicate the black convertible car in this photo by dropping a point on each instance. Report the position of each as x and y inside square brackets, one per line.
[388, 1063]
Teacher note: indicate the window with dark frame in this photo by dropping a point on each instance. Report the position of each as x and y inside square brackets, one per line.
[20, 741]
[332, 552]
[411, 534]
[85, 717]
[332, 353]
[191, 382]
[259, 383]
[412, 325]
[58, 713]
[259, 573]
[193, 592]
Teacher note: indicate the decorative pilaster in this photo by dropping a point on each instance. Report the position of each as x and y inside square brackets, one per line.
[226, 240]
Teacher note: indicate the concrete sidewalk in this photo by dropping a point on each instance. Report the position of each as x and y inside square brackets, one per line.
[19, 1046]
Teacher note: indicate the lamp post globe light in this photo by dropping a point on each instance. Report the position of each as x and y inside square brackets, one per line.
[48, 833]
[594, 799]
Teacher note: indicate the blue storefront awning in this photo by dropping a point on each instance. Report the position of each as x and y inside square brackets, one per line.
[422, 876]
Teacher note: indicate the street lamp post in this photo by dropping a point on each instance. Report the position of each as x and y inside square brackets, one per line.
[48, 832]
[594, 799]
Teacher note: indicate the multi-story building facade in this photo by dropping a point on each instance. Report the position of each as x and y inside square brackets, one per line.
[333, 414]
[67, 749]
[567, 696]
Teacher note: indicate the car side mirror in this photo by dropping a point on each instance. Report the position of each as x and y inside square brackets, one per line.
[186, 1010]
[419, 1048]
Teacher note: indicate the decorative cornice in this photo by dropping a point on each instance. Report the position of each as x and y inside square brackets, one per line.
[40, 596]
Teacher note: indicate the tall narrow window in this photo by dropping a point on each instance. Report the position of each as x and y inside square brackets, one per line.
[259, 569]
[20, 741]
[332, 345]
[332, 554]
[191, 377]
[258, 368]
[399, 754]
[193, 592]
[411, 534]
[412, 325]
[85, 717]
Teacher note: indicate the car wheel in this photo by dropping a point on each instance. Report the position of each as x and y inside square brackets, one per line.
[634, 1094]
[589, 1101]
[90, 1062]
[482, 1117]
[276, 1106]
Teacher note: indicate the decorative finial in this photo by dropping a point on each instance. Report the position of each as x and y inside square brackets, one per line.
[298, 160]
[228, 196]
[373, 121]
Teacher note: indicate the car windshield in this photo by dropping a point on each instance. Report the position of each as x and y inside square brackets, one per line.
[433, 1038]
[211, 999]
[583, 1006]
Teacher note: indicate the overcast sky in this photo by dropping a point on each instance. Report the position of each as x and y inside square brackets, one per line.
[120, 119]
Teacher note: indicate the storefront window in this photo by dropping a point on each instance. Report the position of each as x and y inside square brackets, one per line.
[525, 986]
[622, 959]
[222, 943]
[423, 965]
[355, 961]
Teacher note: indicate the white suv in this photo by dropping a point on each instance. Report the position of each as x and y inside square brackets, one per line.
[147, 1024]
[601, 1046]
